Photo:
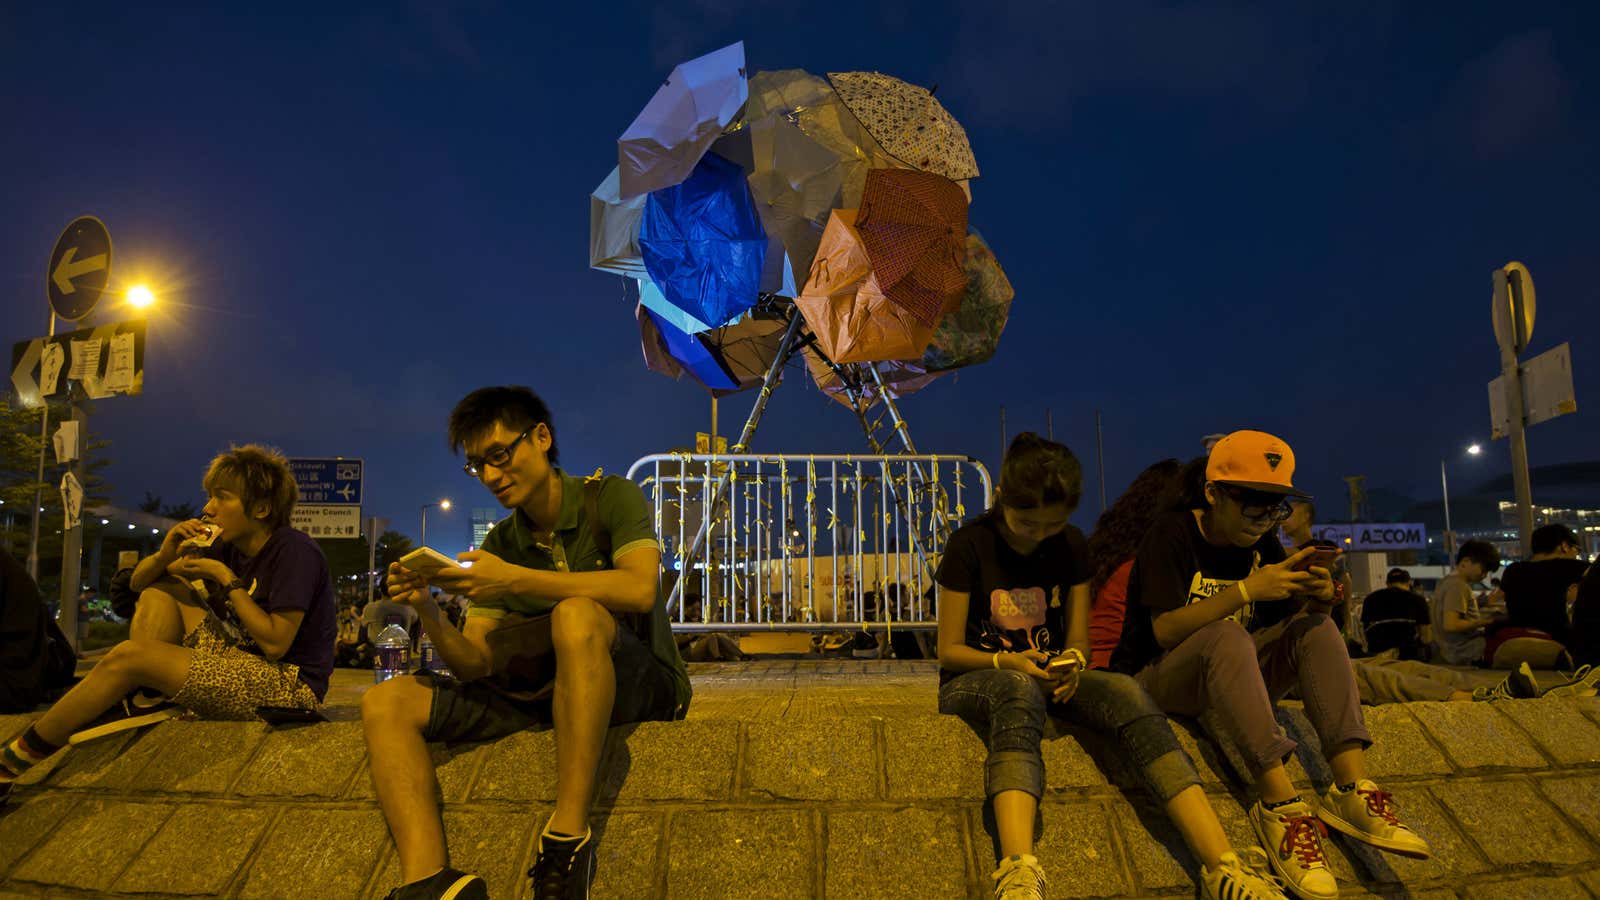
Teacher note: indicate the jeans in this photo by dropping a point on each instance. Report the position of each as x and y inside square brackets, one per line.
[1008, 709]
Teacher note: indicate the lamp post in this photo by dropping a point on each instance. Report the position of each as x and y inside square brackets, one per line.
[1444, 484]
[443, 504]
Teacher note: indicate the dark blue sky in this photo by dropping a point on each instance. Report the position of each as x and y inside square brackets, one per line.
[1215, 216]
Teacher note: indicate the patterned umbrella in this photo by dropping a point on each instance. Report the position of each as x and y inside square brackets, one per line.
[914, 226]
[969, 334]
[909, 123]
[844, 307]
[699, 99]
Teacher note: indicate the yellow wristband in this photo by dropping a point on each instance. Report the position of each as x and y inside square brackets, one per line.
[997, 659]
[1243, 591]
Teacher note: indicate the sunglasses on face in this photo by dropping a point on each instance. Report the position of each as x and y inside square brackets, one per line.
[1258, 506]
[499, 457]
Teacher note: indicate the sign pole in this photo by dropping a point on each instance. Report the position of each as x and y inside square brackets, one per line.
[1508, 291]
[372, 555]
[38, 488]
[1449, 536]
[72, 542]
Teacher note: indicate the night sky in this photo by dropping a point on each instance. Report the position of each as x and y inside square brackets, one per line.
[1215, 217]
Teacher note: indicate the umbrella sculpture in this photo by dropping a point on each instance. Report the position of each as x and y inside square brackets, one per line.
[969, 334]
[614, 229]
[914, 226]
[726, 188]
[703, 244]
[845, 308]
[699, 99]
[909, 123]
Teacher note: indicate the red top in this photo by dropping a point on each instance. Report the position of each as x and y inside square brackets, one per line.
[1105, 616]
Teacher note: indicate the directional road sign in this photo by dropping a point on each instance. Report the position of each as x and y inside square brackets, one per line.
[80, 265]
[105, 360]
[322, 520]
[329, 482]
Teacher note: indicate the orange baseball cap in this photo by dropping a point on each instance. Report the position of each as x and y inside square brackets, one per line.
[1254, 460]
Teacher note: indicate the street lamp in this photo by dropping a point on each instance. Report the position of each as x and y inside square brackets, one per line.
[140, 296]
[443, 504]
[1444, 484]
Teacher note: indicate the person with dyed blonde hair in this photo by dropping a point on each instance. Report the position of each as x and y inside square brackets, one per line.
[236, 611]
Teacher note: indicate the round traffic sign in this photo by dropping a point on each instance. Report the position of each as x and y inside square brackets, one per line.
[80, 265]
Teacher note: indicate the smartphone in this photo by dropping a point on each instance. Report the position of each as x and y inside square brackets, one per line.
[289, 715]
[1321, 557]
[1059, 666]
[426, 561]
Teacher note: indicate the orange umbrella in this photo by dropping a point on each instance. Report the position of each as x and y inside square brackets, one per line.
[899, 377]
[914, 227]
[847, 311]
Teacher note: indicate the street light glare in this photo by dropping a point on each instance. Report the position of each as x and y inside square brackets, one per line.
[444, 504]
[140, 296]
[1475, 449]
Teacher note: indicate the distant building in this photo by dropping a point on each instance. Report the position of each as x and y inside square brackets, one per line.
[483, 519]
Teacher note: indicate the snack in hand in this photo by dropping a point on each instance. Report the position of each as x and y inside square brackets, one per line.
[195, 546]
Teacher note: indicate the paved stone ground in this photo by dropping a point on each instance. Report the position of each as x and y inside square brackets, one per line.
[788, 779]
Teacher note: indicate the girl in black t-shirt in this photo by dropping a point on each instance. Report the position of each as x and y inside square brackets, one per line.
[1016, 596]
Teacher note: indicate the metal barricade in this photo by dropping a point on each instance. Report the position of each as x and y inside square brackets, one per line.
[754, 542]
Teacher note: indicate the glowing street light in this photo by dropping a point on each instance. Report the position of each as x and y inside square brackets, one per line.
[1449, 536]
[140, 296]
[444, 504]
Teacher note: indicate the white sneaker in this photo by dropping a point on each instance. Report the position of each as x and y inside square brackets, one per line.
[1370, 815]
[1235, 878]
[1019, 878]
[1583, 683]
[1293, 838]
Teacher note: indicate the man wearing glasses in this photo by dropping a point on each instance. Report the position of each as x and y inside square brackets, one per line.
[609, 644]
[1220, 622]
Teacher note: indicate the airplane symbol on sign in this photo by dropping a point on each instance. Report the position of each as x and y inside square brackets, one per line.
[346, 492]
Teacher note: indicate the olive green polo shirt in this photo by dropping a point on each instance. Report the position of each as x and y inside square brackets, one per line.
[625, 516]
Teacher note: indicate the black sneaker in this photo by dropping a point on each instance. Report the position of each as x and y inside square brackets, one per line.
[564, 867]
[445, 884]
[126, 715]
[1519, 685]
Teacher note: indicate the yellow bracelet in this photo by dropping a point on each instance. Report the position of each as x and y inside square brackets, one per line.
[997, 659]
[1243, 592]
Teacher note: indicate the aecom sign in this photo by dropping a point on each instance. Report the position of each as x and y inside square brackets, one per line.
[1374, 536]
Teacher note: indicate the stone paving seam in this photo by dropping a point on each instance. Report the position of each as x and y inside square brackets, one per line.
[1119, 842]
[740, 791]
[241, 873]
[1578, 828]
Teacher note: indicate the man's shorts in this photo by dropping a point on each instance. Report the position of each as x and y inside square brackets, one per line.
[227, 683]
[467, 711]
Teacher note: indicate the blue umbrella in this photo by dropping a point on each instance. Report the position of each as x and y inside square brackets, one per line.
[703, 243]
[693, 355]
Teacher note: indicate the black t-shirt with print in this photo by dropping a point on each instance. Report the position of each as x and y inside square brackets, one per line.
[1015, 602]
[1176, 566]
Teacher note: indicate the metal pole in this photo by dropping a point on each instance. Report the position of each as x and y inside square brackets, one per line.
[424, 541]
[1050, 424]
[1512, 290]
[1100, 454]
[38, 488]
[72, 542]
[372, 556]
[1449, 536]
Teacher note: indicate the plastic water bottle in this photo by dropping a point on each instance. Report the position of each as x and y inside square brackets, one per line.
[430, 656]
[394, 651]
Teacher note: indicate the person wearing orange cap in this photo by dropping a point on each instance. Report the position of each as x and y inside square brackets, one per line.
[1219, 620]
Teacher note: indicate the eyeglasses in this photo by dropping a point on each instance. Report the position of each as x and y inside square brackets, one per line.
[1258, 506]
[497, 456]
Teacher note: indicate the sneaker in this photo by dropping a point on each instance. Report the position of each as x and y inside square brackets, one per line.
[1293, 838]
[125, 716]
[1369, 815]
[1019, 878]
[564, 868]
[1583, 683]
[445, 884]
[1519, 685]
[1236, 878]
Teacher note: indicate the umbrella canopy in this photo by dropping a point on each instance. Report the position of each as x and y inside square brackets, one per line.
[914, 226]
[699, 99]
[901, 378]
[969, 334]
[651, 298]
[703, 244]
[724, 360]
[909, 122]
[847, 311]
[614, 229]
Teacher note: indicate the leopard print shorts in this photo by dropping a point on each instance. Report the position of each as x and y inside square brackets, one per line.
[225, 682]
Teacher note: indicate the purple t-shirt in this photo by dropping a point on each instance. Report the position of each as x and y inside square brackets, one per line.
[291, 573]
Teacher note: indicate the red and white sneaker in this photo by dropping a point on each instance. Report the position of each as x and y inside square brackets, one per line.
[1293, 837]
[1369, 815]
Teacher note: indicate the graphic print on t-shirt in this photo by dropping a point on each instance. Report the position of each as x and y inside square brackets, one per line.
[1017, 619]
[1203, 588]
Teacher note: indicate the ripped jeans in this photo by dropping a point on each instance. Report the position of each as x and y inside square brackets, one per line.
[1008, 709]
